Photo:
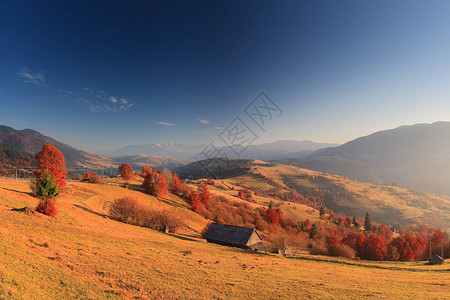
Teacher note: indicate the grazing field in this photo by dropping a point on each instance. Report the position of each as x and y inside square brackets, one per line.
[83, 254]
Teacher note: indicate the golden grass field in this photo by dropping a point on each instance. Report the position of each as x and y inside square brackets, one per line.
[84, 254]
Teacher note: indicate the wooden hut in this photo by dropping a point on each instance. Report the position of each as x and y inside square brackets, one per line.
[235, 236]
[436, 260]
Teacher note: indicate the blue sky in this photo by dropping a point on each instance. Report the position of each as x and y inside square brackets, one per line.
[102, 74]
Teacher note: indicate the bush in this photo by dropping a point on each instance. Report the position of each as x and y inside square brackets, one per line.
[47, 207]
[319, 249]
[342, 251]
[166, 219]
[92, 177]
[131, 211]
[127, 210]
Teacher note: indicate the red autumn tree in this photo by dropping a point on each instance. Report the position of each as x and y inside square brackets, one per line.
[146, 170]
[194, 201]
[272, 216]
[125, 171]
[86, 176]
[204, 193]
[307, 225]
[375, 247]
[241, 195]
[403, 248]
[176, 183]
[356, 240]
[51, 159]
[437, 239]
[280, 214]
[334, 238]
[155, 184]
[385, 233]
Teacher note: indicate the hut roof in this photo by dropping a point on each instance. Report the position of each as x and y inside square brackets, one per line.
[230, 234]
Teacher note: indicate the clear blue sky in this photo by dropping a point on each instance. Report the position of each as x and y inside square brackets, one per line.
[102, 74]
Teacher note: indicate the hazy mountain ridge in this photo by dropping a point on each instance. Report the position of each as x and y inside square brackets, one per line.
[137, 161]
[265, 151]
[417, 155]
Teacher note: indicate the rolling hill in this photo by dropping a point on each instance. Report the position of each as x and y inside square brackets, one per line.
[31, 142]
[417, 155]
[83, 254]
[18, 145]
[14, 161]
[386, 204]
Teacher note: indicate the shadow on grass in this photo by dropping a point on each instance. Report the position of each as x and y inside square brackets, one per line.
[17, 191]
[171, 202]
[185, 237]
[90, 211]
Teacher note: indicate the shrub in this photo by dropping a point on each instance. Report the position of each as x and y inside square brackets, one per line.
[342, 251]
[319, 249]
[96, 179]
[131, 211]
[92, 177]
[47, 207]
[165, 219]
[127, 210]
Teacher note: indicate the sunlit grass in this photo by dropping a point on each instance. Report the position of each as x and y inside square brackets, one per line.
[83, 254]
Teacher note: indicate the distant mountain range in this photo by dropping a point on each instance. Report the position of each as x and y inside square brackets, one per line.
[416, 155]
[167, 149]
[20, 146]
[267, 151]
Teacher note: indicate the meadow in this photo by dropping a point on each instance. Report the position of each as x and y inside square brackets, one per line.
[84, 254]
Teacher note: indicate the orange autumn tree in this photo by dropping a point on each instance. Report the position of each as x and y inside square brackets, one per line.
[155, 184]
[176, 184]
[51, 159]
[125, 172]
[204, 193]
[194, 201]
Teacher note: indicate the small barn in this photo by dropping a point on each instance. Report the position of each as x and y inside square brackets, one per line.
[235, 236]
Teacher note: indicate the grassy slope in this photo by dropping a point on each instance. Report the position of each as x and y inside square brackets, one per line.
[386, 204]
[82, 254]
